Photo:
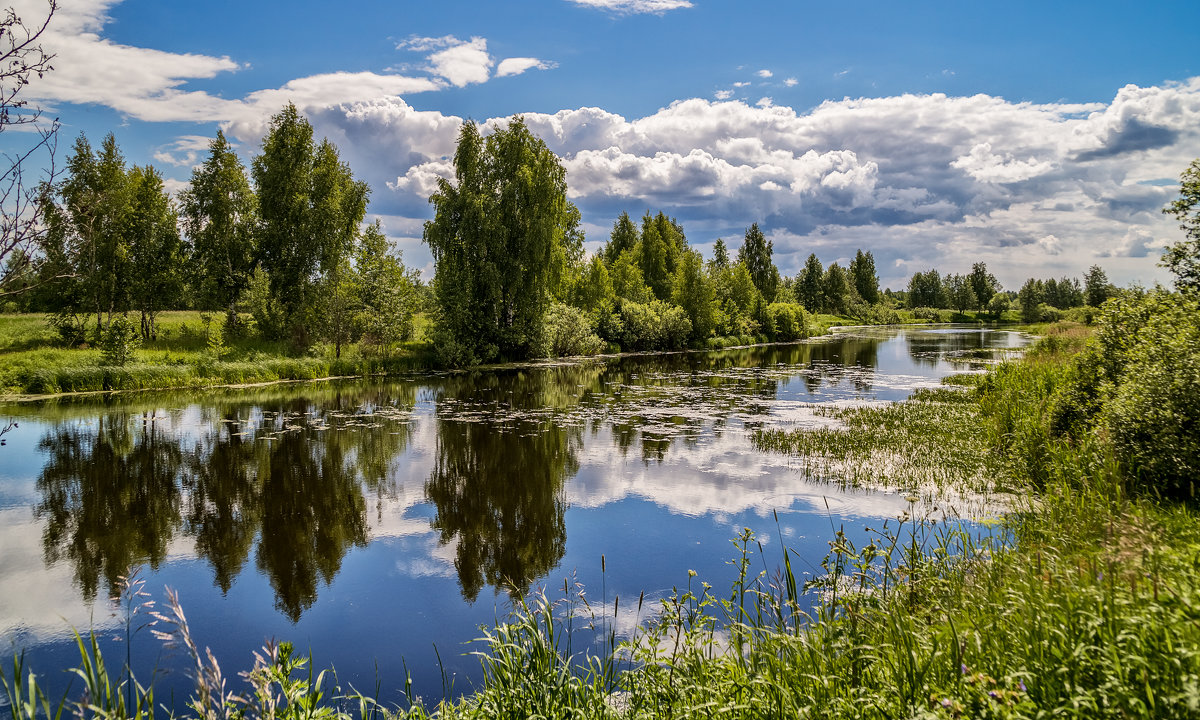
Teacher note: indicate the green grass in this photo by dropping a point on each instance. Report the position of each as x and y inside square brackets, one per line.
[33, 362]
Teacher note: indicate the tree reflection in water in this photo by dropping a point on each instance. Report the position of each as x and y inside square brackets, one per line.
[503, 457]
[286, 475]
[499, 498]
[110, 497]
[289, 475]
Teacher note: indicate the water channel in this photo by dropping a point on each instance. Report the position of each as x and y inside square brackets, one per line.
[372, 521]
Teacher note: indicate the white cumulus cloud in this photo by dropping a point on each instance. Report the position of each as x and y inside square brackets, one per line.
[518, 65]
[923, 180]
[635, 6]
[463, 63]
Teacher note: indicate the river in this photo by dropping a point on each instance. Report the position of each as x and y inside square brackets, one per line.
[370, 522]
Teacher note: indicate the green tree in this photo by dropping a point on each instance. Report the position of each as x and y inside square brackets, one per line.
[310, 208]
[720, 258]
[863, 277]
[85, 217]
[220, 216]
[809, 284]
[755, 254]
[983, 284]
[1031, 295]
[624, 236]
[1183, 258]
[1096, 288]
[961, 292]
[627, 280]
[926, 290]
[743, 297]
[693, 292]
[655, 249]
[387, 291]
[835, 287]
[594, 292]
[493, 237]
[155, 251]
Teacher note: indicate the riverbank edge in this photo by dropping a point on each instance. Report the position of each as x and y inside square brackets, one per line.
[421, 363]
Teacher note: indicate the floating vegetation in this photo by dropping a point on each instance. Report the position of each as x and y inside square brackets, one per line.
[933, 441]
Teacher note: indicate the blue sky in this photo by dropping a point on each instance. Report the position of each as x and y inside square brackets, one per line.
[1040, 138]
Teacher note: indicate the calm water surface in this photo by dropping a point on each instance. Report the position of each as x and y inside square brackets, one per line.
[372, 521]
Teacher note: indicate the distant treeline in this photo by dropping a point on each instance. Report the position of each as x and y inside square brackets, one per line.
[287, 246]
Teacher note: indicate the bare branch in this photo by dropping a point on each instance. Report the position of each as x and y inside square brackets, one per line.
[22, 60]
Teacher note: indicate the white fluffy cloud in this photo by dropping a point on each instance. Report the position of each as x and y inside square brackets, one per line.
[463, 63]
[921, 179]
[518, 65]
[635, 6]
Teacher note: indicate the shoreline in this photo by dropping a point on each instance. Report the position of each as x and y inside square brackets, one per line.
[830, 332]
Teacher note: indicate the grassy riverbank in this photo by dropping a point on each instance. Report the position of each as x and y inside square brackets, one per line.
[33, 361]
[187, 354]
[1083, 602]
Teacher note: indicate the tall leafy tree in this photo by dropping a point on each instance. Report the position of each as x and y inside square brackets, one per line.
[863, 277]
[809, 284]
[674, 240]
[1096, 288]
[1183, 258]
[387, 290]
[655, 249]
[627, 280]
[755, 254]
[624, 236]
[961, 292]
[720, 258]
[155, 251]
[310, 208]
[983, 284]
[220, 216]
[594, 292]
[925, 289]
[835, 287]
[85, 220]
[493, 237]
[693, 292]
[1031, 295]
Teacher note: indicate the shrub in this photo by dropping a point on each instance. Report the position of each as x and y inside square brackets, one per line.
[877, 314]
[1084, 314]
[927, 314]
[70, 326]
[676, 327]
[1048, 313]
[119, 341]
[789, 320]
[1138, 384]
[653, 326]
[1153, 415]
[998, 305]
[567, 330]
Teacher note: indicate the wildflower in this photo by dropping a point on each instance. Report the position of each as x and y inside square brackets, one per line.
[1021, 684]
[946, 702]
